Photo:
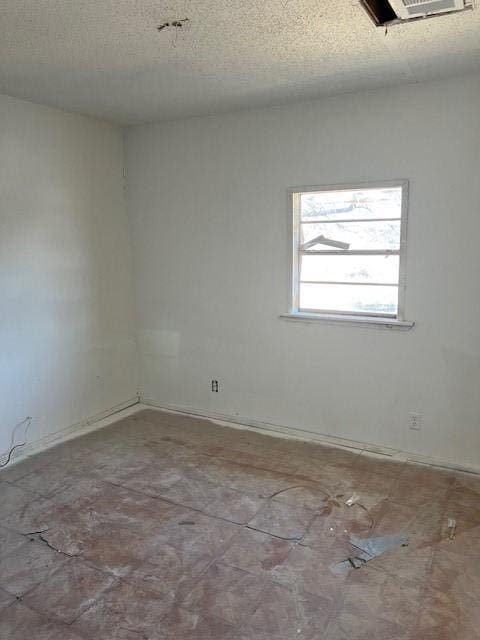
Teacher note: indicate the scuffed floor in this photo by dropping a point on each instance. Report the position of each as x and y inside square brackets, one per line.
[167, 527]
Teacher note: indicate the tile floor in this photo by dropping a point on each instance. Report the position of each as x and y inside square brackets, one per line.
[164, 527]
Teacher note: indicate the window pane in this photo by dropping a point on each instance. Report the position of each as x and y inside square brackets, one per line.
[357, 203]
[359, 235]
[350, 268]
[348, 298]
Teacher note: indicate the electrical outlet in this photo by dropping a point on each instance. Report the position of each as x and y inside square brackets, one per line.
[415, 421]
[215, 386]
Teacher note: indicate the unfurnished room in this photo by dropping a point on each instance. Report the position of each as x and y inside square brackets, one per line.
[239, 320]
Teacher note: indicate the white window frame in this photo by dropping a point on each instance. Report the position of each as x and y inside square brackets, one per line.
[356, 317]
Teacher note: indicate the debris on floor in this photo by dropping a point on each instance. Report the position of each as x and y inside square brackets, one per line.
[451, 526]
[352, 500]
[296, 486]
[369, 548]
[374, 547]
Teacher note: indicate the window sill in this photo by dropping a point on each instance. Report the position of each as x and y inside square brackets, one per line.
[362, 321]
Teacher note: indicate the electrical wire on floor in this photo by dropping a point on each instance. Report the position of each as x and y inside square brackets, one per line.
[27, 422]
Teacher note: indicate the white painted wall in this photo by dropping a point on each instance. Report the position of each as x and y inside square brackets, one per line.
[66, 321]
[207, 201]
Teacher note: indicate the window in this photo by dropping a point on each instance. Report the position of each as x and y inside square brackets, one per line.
[349, 251]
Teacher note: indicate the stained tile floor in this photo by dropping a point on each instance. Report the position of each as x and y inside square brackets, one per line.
[165, 527]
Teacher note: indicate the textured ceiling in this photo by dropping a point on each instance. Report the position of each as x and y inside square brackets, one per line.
[105, 58]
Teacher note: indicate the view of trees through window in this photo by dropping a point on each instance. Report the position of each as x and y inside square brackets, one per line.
[349, 250]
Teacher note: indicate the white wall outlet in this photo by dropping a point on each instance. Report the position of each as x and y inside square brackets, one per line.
[416, 421]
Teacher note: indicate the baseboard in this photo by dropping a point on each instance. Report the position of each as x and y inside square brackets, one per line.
[285, 431]
[97, 421]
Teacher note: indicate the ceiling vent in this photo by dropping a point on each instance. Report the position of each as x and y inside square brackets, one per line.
[389, 12]
[406, 9]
